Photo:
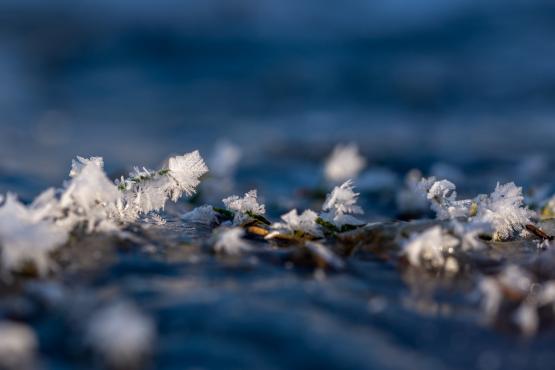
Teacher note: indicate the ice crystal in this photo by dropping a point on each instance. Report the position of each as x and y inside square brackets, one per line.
[79, 163]
[504, 210]
[244, 208]
[186, 170]
[202, 215]
[340, 205]
[18, 344]
[344, 163]
[121, 335]
[430, 247]
[146, 190]
[26, 238]
[295, 224]
[230, 241]
[443, 197]
[90, 198]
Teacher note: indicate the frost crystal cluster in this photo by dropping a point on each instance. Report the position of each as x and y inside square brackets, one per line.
[341, 205]
[503, 211]
[89, 202]
[245, 208]
[297, 225]
[146, 191]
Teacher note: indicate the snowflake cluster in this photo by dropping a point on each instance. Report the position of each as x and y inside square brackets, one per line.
[503, 211]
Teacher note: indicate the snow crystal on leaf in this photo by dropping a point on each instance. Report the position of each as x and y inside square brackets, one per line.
[244, 208]
[341, 204]
[187, 170]
[147, 190]
[504, 210]
[344, 163]
[295, 223]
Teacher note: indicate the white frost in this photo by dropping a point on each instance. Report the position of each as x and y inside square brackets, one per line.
[244, 206]
[344, 163]
[341, 204]
[430, 247]
[504, 210]
[293, 223]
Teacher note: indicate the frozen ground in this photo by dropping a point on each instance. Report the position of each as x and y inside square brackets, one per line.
[459, 90]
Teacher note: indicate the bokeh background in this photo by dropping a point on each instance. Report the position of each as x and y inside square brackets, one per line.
[134, 81]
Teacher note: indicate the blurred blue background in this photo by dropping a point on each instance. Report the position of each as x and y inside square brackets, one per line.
[134, 81]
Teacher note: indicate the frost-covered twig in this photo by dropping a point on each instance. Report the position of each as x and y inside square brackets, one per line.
[297, 226]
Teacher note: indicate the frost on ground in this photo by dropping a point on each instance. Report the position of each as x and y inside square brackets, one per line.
[496, 244]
